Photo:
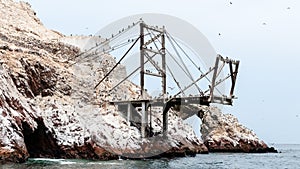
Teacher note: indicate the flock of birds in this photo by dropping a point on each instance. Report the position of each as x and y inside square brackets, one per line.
[264, 23]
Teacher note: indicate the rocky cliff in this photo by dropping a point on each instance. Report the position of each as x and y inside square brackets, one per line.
[223, 133]
[47, 104]
[48, 107]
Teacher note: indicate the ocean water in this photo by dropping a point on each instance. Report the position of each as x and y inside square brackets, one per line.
[289, 157]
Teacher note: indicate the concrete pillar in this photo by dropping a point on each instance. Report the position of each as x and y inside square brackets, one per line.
[165, 119]
[129, 113]
[144, 120]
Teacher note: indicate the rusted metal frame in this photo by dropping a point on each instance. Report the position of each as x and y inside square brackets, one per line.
[128, 76]
[222, 100]
[153, 74]
[153, 29]
[142, 65]
[150, 34]
[163, 58]
[219, 82]
[153, 51]
[161, 52]
[153, 63]
[153, 39]
[214, 78]
[233, 76]
[201, 76]
[143, 54]
[221, 68]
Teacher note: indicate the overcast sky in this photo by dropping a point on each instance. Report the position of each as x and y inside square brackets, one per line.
[263, 34]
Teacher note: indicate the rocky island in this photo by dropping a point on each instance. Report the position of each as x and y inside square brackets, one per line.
[46, 110]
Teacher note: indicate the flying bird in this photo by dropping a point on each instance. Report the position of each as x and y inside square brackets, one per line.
[264, 23]
[230, 3]
[172, 88]
[288, 8]
[219, 34]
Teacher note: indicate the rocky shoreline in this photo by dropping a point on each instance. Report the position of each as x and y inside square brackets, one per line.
[46, 109]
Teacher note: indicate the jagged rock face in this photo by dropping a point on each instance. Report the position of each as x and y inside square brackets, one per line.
[33, 69]
[223, 133]
[48, 105]
[13, 112]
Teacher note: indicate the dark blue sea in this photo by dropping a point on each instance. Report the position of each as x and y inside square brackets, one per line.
[289, 157]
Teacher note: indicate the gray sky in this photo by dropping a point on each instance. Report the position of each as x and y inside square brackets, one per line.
[263, 34]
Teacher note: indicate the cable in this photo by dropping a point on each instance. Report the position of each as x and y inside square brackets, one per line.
[168, 34]
[129, 75]
[191, 77]
[117, 63]
[177, 83]
[109, 39]
[177, 63]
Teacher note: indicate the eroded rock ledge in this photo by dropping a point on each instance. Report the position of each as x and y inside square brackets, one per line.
[223, 133]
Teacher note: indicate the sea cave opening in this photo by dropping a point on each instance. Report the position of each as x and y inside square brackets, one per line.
[40, 143]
